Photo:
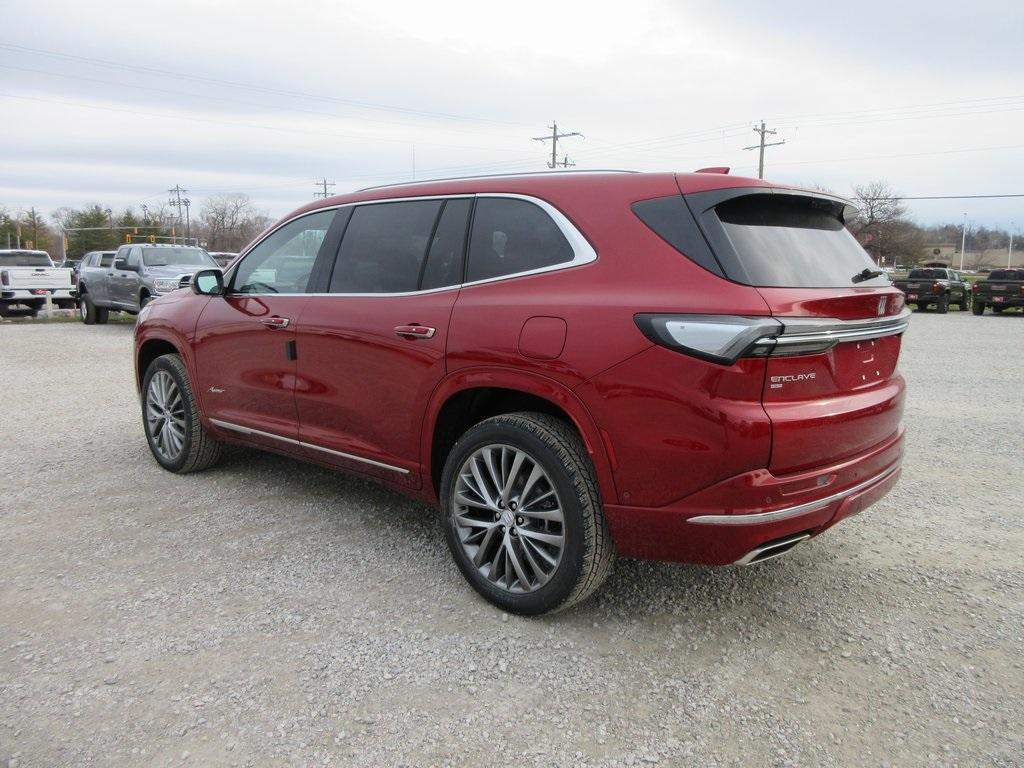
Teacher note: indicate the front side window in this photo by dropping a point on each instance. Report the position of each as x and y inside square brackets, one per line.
[134, 257]
[283, 262]
[511, 236]
[384, 247]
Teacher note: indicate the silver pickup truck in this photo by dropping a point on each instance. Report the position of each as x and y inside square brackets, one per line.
[134, 276]
[28, 277]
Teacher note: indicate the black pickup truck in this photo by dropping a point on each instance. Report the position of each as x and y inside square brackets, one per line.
[1002, 288]
[935, 285]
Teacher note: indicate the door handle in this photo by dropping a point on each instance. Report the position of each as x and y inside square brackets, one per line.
[275, 322]
[415, 331]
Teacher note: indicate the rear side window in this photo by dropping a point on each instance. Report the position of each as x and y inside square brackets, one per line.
[384, 247]
[105, 260]
[445, 258]
[511, 236]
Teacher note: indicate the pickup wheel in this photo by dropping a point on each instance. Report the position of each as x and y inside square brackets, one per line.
[89, 313]
[942, 305]
[965, 302]
[170, 417]
[978, 308]
[522, 514]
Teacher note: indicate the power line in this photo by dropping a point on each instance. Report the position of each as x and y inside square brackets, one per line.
[949, 197]
[762, 131]
[324, 183]
[553, 138]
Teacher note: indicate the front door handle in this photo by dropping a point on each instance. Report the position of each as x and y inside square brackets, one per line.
[275, 322]
[415, 331]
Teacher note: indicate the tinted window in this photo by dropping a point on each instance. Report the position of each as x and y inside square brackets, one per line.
[283, 262]
[106, 259]
[1006, 274]
[445, 258]
[927, 274]
[672, 221]
[384, 247]
[792, 241]
[511, 236]
[25, 259]
[162, 257]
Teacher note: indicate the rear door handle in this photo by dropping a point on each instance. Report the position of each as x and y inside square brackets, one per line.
[415, 331]
[275, 322]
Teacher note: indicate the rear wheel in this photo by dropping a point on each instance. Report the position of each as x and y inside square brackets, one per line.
[978, 308]
[965, 302]
[942, 306]
[170, 417]
[522, 514]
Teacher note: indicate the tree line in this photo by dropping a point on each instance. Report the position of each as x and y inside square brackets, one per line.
[223, 223]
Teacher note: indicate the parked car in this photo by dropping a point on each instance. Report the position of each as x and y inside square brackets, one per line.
[935, 285]
[223, 258]
[134, 276]
[27, 277]
[1001, 289]
[688, 367]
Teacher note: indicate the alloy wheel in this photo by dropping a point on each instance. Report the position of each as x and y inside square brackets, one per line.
[508, 518]
[165, 416]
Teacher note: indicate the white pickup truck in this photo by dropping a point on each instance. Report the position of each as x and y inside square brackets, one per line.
[28, 277]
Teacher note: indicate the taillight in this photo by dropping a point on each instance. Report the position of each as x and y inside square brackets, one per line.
[5, 277]
[724, 339]
[974, 288]
[1022, 290]
[936, 288]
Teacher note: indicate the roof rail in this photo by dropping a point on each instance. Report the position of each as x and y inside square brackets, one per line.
[493, 176]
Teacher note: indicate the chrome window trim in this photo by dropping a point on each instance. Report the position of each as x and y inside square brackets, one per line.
[757, 518]
[583, 251]
[250, 431]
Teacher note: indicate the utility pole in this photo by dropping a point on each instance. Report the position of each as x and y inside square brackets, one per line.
[178, 202]
[763, 132]
[188, 221]
[566, 162]
[35, 230]
[324, 183]
[1009, 255]
[963, 243]
[553, 138]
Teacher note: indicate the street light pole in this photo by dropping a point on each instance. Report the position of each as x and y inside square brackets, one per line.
[1009, 255]
[963, 243]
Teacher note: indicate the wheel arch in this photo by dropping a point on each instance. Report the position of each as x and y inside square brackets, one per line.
[467, 397]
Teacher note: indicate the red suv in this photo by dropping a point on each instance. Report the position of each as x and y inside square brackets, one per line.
[690, 367]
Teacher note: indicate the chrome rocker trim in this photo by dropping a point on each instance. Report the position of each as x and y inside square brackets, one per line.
[250, 431]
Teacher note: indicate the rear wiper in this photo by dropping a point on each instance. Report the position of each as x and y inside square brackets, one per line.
[866, 274]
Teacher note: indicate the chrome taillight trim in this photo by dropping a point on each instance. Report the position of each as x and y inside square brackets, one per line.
[804, 335]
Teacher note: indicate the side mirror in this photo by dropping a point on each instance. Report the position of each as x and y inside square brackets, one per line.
[208, 282]
[122, 264]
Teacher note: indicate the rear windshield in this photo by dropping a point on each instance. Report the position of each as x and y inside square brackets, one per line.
[161, 257]
[1006, 274]
[792, 241]
[25, 259]
[927, 274]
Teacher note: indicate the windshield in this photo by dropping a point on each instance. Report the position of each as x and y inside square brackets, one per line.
[162, 257]
[25, 259]
[793, 241]
[927, 274]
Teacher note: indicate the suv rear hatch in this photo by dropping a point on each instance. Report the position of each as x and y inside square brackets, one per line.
[831, 387]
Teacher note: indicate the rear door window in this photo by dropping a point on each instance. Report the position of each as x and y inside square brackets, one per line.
[106, 260]
[384, 247]
[445, 259]
[512, 236]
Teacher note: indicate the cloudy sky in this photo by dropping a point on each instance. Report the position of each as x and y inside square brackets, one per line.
[115, 102]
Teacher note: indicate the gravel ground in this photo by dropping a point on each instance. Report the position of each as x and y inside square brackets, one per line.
[271, 613]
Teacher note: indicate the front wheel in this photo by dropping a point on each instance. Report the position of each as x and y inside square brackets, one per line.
[170, 417]
[522, 514]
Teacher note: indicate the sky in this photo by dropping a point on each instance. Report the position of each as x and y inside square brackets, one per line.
[117, 102]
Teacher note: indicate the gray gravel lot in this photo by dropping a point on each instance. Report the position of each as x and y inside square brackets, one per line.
[271, 613]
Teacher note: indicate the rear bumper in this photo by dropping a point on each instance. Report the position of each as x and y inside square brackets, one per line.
[1001, 301]
[25, 294]
[725, 523]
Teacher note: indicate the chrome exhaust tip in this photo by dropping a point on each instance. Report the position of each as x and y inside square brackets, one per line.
[772, 549]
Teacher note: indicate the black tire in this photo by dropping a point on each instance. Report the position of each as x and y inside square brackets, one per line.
[921, 307]
[144, 300]
[588, 554]
[199, 451]
[965, 302]
[4, 309]
[942, 306]
[978, 307]
[87, 310]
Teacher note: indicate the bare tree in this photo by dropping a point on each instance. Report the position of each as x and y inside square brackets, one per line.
[882, 226]
[228, 222]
